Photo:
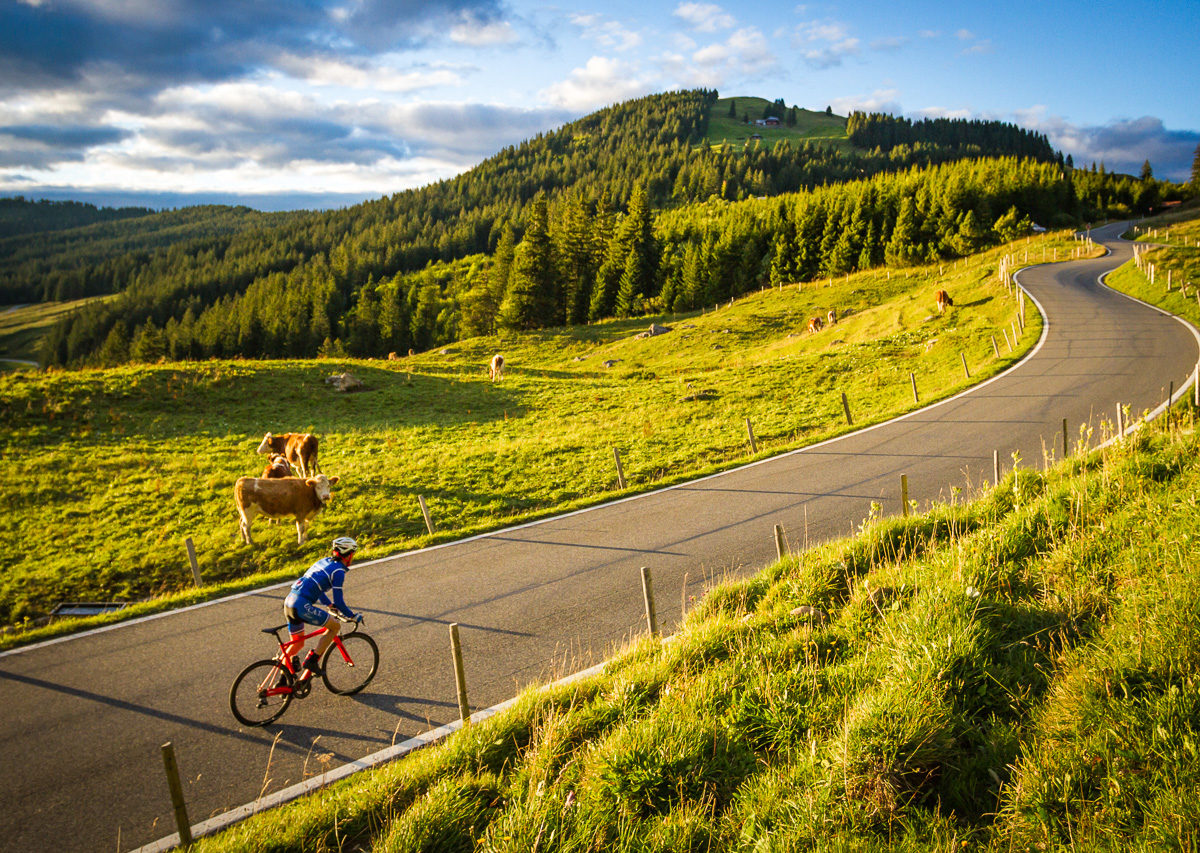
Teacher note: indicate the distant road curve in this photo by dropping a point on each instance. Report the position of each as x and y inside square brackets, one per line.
[83, 718]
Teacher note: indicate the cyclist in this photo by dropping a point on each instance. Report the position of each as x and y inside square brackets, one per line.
[300, 606]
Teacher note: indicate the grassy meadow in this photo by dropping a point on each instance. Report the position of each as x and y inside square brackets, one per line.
[1017, 673]
[22, 327]
[809, 125]
[117, 466]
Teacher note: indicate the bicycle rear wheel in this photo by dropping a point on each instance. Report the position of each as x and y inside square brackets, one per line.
[352, 671]
[260, 693]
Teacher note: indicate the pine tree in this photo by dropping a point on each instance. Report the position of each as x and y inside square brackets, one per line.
[1196, 170]
[533, 291]
[1147, 173]
[732, 108]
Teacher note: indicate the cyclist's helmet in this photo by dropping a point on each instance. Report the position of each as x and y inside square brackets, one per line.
[345, 545]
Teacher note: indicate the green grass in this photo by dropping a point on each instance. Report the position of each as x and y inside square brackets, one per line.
[118, 466]
[1019, 673]
[22, 328]
[810, 125]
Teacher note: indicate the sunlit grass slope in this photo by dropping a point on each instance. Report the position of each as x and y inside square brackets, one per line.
[1019, 673]
[810, 125]
[118, 466]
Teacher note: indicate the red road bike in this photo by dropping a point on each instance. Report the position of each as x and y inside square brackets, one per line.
[263, 690]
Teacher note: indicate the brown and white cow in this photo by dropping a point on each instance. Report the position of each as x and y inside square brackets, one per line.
[289, 497]
[299, 448]
[943, 301]
[277, 468]
[496, 368]
[831, 319]
[815, 324]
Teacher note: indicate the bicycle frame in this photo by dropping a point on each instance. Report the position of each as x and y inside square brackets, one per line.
[285, 659]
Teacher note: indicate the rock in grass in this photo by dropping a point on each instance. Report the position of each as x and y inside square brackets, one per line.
[812, 614]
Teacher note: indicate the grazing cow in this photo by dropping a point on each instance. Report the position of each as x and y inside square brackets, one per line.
[943, 301]
[299, 499]
[815, 324]
[299, 448]
[277, 468]
[496, 368]
[832, 318]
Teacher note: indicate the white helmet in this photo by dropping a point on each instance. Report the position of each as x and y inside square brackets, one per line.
[345, 545]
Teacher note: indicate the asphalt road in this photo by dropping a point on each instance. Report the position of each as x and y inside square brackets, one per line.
[82, 720]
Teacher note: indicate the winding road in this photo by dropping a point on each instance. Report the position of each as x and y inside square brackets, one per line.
[82, 719]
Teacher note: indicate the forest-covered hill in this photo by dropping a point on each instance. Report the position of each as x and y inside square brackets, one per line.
[560, 229]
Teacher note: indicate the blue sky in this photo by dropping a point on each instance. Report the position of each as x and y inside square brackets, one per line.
[318, 103]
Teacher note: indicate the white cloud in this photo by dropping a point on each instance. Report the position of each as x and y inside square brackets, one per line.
[964, 35]
[600, 82]
[377, 76]
[705, 17]
[475, 32]
[879, 101]
[1122, 145]
[824, 44]
[980, 47]
[890, 43]
[606, 33]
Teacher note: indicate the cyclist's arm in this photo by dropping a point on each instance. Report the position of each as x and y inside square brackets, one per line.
[338, 601]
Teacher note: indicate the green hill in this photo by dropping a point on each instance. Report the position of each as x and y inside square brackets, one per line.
[732, 122]
[592, 168]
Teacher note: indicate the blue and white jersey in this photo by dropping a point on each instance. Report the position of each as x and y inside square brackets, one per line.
[324, 575]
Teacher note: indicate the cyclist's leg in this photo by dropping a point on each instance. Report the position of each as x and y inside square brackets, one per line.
[332, 627]
[298, 613]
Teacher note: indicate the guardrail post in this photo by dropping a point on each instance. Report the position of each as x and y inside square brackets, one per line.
[904, 493]
[460, 675]
[425, 512]
[191, 551]
[648, 592]
[177, 801]
[620, 470]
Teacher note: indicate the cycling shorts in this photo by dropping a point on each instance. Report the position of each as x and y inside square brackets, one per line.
[298, 611]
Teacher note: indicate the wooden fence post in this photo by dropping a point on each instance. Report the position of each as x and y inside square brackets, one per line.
[460, 675]
[425, 512]
[913, 379]
[963, 356]
[995, 467]
[750, 432]
[904, 493]
[846, 408]
[1120, 422]
[177, 801]
[1006, 340]
[780, 545]
[995, 348]
[620, 470]
[1066, 446]
[648, 593]
[191, 551]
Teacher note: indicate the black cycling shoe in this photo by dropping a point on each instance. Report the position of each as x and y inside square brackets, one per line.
[312, 663]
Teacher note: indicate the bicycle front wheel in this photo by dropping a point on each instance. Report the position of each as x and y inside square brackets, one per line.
[261, 693]
[349, 669]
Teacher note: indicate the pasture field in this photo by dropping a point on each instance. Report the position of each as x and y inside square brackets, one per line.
[1018, 673]
[117, 466]
[22, 327]
[810, 125]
